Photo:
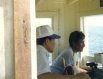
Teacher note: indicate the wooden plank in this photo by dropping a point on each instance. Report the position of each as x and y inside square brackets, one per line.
[22, 39]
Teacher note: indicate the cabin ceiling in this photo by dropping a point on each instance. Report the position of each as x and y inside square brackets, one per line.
[52, 1]
[57, 1]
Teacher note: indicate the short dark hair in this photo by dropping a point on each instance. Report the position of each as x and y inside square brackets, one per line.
[41, 41]
[75, 37]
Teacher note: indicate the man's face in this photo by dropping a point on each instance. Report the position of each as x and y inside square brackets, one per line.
[80, 45]
[50, 44]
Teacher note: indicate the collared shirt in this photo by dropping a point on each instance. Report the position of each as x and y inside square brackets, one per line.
[42, 60]
[70, 58]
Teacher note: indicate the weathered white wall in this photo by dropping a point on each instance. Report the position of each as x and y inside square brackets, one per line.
[2, 53]
[6, 40]
[9, 39]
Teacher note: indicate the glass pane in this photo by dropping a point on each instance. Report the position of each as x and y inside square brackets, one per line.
[44, 21]
[94, 25]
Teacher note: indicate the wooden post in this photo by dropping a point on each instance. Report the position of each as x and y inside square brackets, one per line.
[22, 31]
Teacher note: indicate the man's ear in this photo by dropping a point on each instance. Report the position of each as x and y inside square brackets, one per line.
[74, 44]
[46, 41]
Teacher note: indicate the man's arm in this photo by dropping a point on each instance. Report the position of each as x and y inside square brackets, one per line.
[79, 67]
[58, 76]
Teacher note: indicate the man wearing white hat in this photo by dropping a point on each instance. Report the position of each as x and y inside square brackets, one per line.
[45, 44]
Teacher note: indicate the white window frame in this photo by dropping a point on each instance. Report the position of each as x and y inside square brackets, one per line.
[84, 29]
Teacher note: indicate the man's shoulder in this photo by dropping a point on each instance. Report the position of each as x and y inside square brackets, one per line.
[67, 51]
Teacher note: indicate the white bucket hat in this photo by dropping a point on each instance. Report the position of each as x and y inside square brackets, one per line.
[44, 31]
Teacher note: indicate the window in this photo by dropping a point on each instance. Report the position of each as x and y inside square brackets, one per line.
[45, 21]
[93, 29]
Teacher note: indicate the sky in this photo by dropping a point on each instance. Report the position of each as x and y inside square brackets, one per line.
[43, 21]
[96, 20]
